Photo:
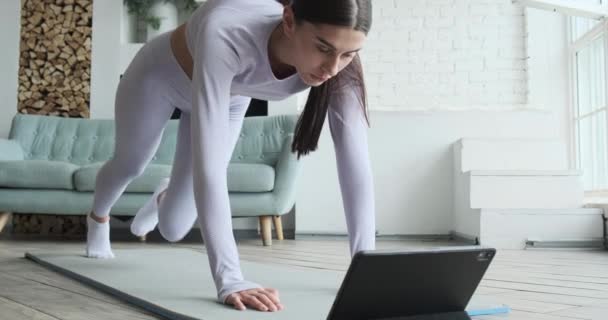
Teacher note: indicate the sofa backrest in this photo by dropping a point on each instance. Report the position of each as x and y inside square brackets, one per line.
[262, 138]
[85, 141]
[76, 140]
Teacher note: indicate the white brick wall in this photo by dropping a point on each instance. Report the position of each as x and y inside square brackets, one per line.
[446, 54]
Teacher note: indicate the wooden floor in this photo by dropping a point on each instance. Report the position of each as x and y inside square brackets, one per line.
[547, 284]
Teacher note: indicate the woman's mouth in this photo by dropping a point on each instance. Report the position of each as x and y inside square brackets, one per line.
[317, 78]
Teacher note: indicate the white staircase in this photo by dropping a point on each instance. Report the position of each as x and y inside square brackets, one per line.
[510, 192]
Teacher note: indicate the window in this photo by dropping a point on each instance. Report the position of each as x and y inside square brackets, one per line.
[590, 109]
[588, 54]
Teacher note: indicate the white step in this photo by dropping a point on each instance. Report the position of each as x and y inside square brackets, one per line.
[514, 189]
[511, 228]
[510, 154]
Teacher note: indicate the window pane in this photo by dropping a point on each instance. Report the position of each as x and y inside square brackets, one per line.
[592, 155]
[600, 166]
[579, 26]
[591, 77]
[585, 152]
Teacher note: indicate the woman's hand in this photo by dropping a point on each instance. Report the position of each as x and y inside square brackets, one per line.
[262, 299]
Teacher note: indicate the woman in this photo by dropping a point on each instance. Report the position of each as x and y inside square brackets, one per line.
[209, 68]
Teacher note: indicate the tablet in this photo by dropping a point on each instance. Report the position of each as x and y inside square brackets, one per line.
[416, 284]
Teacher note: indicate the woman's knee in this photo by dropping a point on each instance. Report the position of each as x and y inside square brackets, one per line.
[176, 212]
[127, 167]
[172, 233]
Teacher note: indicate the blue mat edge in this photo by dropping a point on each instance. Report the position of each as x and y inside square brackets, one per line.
[148, 306]
[495, 310]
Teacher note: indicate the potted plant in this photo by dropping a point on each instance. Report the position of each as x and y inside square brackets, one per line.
[159, 15]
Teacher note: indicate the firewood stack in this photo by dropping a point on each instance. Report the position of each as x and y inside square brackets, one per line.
[55, 57]
[49, 225]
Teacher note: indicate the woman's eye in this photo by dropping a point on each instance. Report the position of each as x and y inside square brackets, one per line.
[324, 49]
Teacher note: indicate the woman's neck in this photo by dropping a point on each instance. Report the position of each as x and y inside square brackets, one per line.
[278, 53]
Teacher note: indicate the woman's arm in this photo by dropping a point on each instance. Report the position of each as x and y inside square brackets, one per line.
[349, 133]
[215, 64]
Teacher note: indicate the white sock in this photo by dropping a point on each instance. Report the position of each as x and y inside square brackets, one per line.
[146, 218]
[98, 239]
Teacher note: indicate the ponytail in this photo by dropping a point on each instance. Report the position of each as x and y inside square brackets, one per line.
[310, 123]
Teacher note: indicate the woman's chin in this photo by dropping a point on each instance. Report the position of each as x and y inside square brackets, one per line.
[311, 80]
[315, 84]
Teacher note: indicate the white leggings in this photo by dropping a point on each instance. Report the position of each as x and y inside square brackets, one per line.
[151, 87]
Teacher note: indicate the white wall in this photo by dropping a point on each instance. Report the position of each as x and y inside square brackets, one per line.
[446, 54]
[105, 57]
[10, 14]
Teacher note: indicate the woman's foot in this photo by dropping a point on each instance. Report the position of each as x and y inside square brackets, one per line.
[146, 218]
[98, 237]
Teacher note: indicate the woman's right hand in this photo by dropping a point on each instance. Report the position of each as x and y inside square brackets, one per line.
[261, 299]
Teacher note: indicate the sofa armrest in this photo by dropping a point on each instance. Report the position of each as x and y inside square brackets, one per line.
[286, 172]
[10, 150]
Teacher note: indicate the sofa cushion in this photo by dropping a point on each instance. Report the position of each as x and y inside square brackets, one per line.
[84, 178]
[250, 177]
[242, 177]
[37, 174]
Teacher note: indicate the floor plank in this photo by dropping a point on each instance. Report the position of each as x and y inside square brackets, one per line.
[15, 310]
[587, 312]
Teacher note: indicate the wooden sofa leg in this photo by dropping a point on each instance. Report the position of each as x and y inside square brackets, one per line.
[142, 238]
[266, 227]
[278, 227]
[4, 219]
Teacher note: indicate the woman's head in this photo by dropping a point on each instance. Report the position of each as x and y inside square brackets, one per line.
[325, 35]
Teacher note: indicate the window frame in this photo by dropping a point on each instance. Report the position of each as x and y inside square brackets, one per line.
[574, 47]
[569, 7]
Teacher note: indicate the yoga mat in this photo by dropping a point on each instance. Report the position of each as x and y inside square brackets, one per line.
[176, 283]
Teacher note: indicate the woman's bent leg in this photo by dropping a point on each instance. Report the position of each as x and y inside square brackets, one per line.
[177, 210]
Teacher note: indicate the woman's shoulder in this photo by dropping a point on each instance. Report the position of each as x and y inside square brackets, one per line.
[234, 13]
[238, 22]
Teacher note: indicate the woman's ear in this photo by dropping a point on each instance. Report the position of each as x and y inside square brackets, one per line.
[289, 21]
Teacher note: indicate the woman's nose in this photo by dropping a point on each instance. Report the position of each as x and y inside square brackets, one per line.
[332, 66]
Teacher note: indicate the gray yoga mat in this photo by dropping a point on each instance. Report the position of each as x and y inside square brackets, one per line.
[176, 283]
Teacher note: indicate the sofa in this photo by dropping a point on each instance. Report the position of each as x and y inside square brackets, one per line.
[48, 165]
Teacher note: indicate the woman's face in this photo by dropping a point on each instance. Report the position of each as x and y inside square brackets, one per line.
[322, 50]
